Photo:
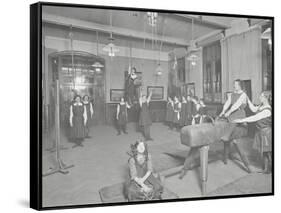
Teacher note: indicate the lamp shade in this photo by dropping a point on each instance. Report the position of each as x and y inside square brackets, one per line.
[97, 65]
[111, 49]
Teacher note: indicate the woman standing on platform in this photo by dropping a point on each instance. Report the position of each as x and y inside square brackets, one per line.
[122, 116]
[90, 112]
[263, 136]
[177, 110]
[145, 120]
[170, 113]
[78, 120]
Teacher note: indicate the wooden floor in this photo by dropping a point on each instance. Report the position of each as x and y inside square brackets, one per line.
[103, 162]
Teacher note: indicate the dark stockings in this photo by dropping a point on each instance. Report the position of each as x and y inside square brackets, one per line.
[267, 162]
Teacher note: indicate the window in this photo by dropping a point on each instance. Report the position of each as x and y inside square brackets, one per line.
[266, 63]
[212, 90]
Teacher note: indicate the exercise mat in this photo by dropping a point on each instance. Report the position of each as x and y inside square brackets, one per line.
[115, 193]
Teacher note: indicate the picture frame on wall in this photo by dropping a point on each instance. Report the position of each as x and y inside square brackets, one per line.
[81, 151]
[157, 92]
[116, 95]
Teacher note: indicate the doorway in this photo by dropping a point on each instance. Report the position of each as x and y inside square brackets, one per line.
[79, 73]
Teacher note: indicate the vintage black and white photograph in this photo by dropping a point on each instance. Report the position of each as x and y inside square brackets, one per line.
[144, 105]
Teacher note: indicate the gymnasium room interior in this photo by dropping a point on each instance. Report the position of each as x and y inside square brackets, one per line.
[147, 66]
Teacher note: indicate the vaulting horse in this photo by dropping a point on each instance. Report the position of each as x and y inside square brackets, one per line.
[199, 137]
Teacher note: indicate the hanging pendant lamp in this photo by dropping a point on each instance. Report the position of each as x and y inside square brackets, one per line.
[110, 48]
[192, 50]
[97, 65]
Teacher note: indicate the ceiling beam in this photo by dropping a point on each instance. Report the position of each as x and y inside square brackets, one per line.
[86, 25]
[199, 20]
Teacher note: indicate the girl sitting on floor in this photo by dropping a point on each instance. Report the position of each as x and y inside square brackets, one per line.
[143, 184]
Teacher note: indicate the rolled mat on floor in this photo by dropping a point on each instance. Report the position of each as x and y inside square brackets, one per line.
[115, 193]
[205, 134]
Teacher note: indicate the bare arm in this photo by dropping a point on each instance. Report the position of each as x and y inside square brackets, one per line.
[140, 99]
[226, 106]
[263, 114]
[71, 116]
[85, 115]
[128, 106]
[91, 109]
[242, 99]
[149, 97]
[252, 107]
[118, 110]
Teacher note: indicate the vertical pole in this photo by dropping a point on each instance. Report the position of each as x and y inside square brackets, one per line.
[204, 167]
[57, 119]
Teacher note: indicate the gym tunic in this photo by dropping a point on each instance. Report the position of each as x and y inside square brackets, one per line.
[144, 119]
[236, 131]
[122, 117]
[77, 129]
[263, 136]
[170, 112]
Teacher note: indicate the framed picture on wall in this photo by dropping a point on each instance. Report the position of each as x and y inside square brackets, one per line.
[94, 170]
[157, 92]
[116, 94]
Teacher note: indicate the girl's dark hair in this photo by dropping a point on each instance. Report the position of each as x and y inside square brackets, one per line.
[134, 69]
[85, 97]
[76, 96]
[240, 82]
[196, 98]
[134, 147]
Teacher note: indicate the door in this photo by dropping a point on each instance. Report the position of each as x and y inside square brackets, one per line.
[79, 76]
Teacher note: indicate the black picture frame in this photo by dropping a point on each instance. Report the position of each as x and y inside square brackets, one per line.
[157, 92]
[116, 95]
[36, 133]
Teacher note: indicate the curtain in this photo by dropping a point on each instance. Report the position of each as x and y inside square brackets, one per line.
[242, 59]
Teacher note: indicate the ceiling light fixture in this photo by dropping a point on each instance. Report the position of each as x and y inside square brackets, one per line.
[97, 64]
[110, 48]
[192, 49]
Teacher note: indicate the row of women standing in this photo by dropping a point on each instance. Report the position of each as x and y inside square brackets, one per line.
[188, 111]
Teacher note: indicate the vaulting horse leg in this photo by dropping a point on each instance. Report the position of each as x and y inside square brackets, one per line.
[204, 168]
